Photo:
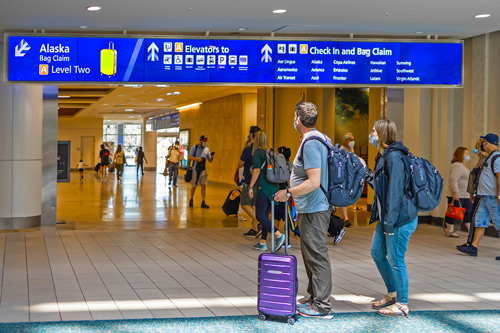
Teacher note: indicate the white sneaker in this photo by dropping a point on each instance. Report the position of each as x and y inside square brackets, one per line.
[241, 218]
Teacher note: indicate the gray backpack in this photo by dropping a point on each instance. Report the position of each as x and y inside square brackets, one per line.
[276, 168]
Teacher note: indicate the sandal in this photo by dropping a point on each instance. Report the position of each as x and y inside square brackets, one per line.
[395, 310]
[384, 302]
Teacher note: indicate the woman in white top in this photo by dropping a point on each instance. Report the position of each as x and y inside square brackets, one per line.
[457, 189]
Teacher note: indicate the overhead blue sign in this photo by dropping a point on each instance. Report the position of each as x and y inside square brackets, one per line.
[154, 60]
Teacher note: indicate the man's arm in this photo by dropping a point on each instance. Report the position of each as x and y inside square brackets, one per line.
[498, 188]
[312, 182]
[241, 164]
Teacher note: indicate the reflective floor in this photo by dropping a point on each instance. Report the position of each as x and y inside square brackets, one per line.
[146, 203]
[135, 250]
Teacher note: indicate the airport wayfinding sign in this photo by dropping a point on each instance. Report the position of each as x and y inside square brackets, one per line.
[232, 61]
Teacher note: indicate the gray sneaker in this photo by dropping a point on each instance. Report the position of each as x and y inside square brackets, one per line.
[259, 246]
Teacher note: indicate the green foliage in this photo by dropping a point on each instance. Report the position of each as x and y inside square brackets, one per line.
[351, 102]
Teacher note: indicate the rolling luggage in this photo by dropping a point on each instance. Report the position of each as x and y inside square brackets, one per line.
[278, 283]
[97, 167]
[108, 60]
[232, 203]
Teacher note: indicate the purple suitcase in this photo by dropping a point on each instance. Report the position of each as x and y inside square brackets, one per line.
[278, 281]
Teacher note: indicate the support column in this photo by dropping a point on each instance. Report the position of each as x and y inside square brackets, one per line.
[21, 117]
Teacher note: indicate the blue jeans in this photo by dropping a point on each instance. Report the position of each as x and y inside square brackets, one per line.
[388, 252]
[262, 210]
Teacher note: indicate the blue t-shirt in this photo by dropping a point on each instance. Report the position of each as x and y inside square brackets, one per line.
[315, 156]
[487, 181]
[246, 157]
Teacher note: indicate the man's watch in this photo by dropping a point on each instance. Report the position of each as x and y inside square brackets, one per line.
[288, 194]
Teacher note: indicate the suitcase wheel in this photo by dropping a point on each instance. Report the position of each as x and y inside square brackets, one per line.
[291, 320]
[262, 317]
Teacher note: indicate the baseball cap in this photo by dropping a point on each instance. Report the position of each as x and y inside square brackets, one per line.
[491, 138]
[203, 138]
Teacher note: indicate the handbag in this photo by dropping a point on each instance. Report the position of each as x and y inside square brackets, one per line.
[456, 213]
[188, 175]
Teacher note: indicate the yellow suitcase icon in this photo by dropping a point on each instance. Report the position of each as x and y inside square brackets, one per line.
[108, 60]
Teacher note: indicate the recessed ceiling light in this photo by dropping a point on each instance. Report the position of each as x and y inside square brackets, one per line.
[419, 32]
[159, 99]
[279, 11]
[120, 95]
[105, 104]
[84, 26]
[64, 96]
[482, 15]
[162, 85]
[241, 29]
[93, 8]
[173, 93]
[129, 110]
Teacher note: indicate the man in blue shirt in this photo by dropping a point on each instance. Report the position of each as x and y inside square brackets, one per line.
[247, 203]
[313, 211]
[488, 194]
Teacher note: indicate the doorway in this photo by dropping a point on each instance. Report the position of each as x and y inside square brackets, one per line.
[87, 150]
[163, 143]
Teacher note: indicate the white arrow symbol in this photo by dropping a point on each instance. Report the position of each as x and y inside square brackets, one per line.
[152, 49]
[266, 57]
[22, 48]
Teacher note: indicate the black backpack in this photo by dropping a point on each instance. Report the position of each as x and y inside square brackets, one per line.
[346, 174]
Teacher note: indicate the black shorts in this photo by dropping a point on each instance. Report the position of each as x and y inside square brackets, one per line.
[467, 204]
[81, 170]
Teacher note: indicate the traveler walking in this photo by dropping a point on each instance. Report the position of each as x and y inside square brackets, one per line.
[396, 215]
[472, 188]
[199, 154]
[488, 194]
[264, 193]
[309, 173]
[173, 158]
[105, 160]
[349, 147]
[80, 165]
[119, 161]
[457, 189]
[139, 159]
[247, 203]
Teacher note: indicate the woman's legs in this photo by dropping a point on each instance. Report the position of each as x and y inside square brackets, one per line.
[396, 250]
[379, 255]
[262, 209]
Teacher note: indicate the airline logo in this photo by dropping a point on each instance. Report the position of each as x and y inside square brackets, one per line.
[44, 70]
[303, 49]
[21, 48]
[179, 47]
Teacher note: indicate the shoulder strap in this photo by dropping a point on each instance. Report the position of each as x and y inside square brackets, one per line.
[317, 138]
[493, 159]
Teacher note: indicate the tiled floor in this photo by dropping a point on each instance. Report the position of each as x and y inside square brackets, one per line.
[136, 251]
[83, 275]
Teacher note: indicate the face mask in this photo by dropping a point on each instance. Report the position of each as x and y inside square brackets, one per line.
[475, 151]
[467, 158]
[204, 144]
[351, 144]
[373, 140]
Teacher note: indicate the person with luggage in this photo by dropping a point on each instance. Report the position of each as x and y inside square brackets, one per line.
[310, 172]
[349, 147]
[488, 194]
[457, 189]
[199, 154]
[247, 203]
[104, 157]
[396, 215]
[80, 167]
[264, 193]
[173, 158]
[472, 188]
[119, 162]
[140, 158]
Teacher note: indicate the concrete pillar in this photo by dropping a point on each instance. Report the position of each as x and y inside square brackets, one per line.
[21, 115]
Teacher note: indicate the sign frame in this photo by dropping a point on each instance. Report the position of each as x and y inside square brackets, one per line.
[249, 38]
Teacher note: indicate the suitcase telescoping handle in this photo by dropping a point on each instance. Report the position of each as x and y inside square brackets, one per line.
[286, 226]
[111, 46]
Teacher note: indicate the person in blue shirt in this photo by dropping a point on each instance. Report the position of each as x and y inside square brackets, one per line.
[313, 210]
[488, 194]
[247, 203]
